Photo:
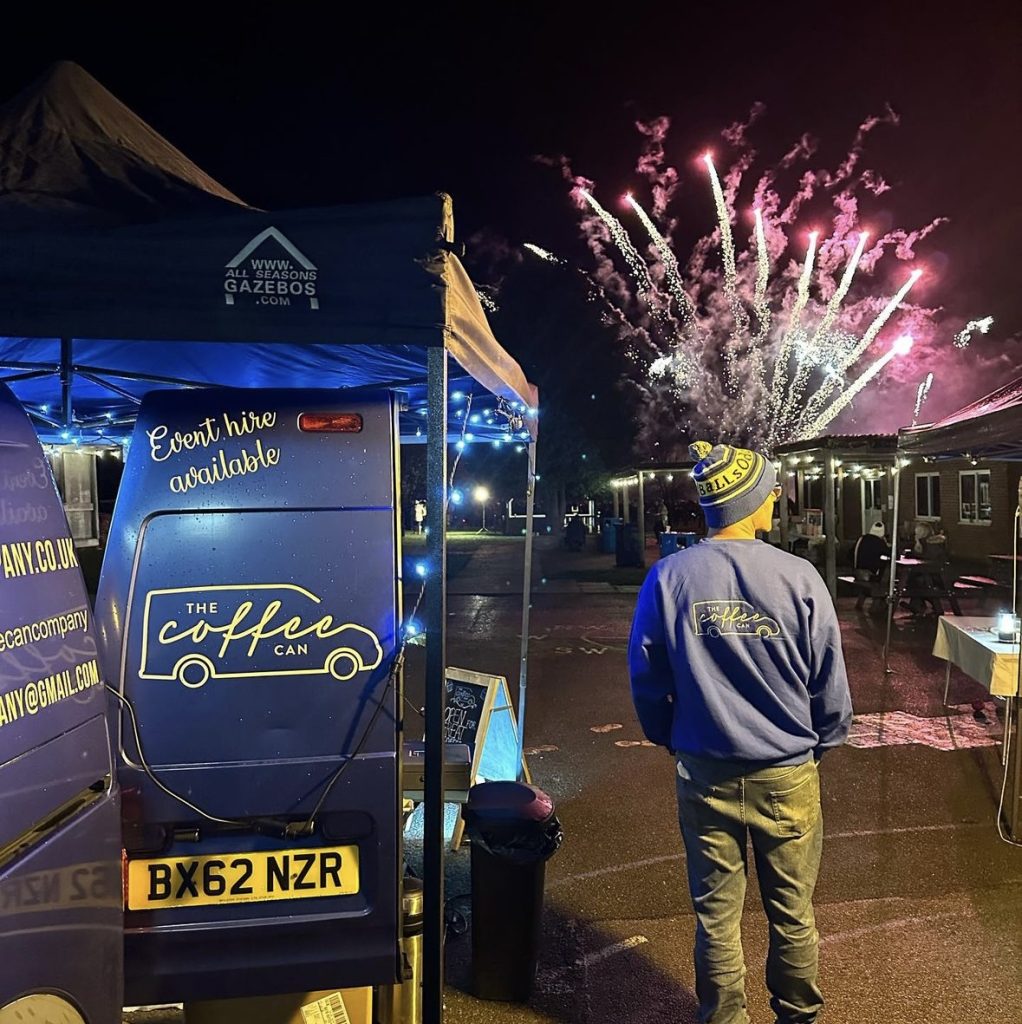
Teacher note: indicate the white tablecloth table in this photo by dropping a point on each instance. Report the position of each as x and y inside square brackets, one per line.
[970, 642]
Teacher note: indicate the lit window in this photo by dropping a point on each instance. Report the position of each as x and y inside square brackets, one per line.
[927, 495]
[974, 496]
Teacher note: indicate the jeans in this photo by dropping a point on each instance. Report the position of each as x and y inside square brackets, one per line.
[721, 805]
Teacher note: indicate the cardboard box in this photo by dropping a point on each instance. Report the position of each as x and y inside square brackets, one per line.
[330, 1006]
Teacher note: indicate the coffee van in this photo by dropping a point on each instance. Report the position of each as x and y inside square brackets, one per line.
[248, 614]
[60, 850]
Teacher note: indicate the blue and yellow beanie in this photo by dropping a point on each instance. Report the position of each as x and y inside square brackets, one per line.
[732, 482]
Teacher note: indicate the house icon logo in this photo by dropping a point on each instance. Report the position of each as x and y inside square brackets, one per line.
[270, 271]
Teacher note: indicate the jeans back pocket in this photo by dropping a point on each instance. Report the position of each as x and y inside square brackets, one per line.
[796, 807]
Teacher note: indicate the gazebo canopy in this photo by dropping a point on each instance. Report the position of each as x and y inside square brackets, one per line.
[989, 428]
[112, 240]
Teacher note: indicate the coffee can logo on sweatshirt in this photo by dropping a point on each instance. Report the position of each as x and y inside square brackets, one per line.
[733, 618]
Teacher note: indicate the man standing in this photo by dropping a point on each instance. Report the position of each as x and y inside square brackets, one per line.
[737, 669]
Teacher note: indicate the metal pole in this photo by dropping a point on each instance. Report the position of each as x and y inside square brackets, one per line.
[1015, 812]
[66, 380]
[642, 520]
[626, 505]
[523, 668]
[436, 690]
[617, 500]
[841, 517]
[830, 524]
[894, 567]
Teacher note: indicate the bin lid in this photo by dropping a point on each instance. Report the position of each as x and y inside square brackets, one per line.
[508, 801]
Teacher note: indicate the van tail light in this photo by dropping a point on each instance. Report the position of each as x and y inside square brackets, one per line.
[330, 422]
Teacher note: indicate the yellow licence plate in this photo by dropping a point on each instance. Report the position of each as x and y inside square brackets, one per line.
[253, 877]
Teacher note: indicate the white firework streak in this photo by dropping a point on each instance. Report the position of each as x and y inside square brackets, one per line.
[849, 393]
[762, 275]
[672, 273]
[538, 250]
[804, 367]
[924, 390]
[624, 243]
[963, 337]
[781, 365]
[727, 251]
[816, 403]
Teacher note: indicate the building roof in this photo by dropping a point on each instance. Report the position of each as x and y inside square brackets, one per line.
[862, 446]
[990, 427]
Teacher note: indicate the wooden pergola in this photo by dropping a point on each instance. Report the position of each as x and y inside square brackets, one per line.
[834, 459]
[637, 477]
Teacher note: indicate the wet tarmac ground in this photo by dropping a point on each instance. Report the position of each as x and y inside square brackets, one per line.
[919, 903]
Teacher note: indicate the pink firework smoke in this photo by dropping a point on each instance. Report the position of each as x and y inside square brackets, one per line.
[773, 324]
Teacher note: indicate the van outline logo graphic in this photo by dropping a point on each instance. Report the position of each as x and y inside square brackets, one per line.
[733, 618]
[202, 661]
[271, 282]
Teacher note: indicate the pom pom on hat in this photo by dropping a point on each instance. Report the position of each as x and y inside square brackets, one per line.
[699, 450]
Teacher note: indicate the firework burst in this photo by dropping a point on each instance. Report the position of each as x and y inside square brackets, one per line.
[772, 343]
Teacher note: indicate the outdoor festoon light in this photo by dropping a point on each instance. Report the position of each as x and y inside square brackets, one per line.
[482, 495]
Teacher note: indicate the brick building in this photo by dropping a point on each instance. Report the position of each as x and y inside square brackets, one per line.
[973, 500]
[965, 472]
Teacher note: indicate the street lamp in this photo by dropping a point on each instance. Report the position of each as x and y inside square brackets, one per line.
[482, 495]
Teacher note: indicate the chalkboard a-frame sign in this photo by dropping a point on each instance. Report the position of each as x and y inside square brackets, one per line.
[480, 714]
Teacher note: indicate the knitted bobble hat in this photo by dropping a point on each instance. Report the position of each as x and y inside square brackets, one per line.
[732, 482]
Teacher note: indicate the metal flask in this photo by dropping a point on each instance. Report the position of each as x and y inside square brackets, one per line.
[402, 1003]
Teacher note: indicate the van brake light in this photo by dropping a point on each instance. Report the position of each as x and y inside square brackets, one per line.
[330, 422]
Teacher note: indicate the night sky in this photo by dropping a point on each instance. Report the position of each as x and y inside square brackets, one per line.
[289, 108]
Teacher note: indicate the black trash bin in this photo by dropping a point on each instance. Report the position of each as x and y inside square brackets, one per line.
[627, 545]
[513, 832]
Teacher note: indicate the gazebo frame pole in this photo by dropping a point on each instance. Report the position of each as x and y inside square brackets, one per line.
[641, 514]
[67, 376]
[436, 690]
[523, 669]
[894, 565]
[782, 479]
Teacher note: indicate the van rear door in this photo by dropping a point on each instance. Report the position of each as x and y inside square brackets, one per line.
[249, 615]
[60, 879]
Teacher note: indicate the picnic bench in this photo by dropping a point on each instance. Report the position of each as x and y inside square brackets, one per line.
[918, 580]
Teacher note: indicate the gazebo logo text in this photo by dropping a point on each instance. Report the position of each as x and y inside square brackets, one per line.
[280, 276]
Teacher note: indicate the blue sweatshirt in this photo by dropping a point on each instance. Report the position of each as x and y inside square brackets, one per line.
[735, 654]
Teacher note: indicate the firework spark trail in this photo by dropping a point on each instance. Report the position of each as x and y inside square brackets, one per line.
[727, 245]
[781, 364]
[672, 273]
[624, 243]
[543, 254]
[762, 275]
[727, 250]
[853, 355]
[885, 314]
[804, 367]
[899, 348]
[924, 390]
[963, 337]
